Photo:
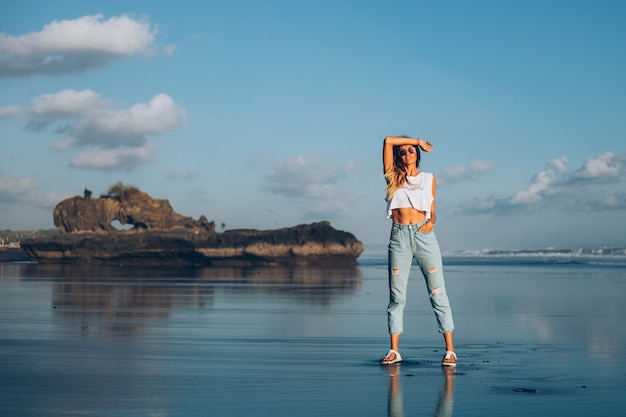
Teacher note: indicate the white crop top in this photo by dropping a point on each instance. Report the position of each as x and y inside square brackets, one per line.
[417, 193]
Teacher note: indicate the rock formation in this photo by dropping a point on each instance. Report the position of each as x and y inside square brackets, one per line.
[80, 214]
[160, 236]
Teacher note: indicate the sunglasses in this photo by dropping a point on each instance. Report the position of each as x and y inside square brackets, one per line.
[403, 152]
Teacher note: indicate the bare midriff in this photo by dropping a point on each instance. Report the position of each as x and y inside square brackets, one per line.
[408, 215]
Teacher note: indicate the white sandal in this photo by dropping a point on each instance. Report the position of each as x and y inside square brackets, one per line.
[446, 361]
[396, 359]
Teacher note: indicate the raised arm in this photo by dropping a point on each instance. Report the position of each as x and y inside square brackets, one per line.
[391, 141]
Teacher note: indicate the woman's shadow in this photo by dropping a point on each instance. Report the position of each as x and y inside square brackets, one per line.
[445, 400]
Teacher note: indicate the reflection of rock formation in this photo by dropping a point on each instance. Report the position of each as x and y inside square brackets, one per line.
[122, 308]
[320, 276]
[162, 236]
[13, 255]
[316, 276]
[111, 299]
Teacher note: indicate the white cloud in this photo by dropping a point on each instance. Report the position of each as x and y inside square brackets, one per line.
[110, 159]
[63, 144]
[10, 111]
[305, 176]
[131, 126]
[68, 46]
[16, 185]
[601, 200]
[555, 187]
[311, 181]
[64, 104]
[46, 201]
[114, 136]
[543, 183]
[603, 168]
[471, 172]
[22, 190]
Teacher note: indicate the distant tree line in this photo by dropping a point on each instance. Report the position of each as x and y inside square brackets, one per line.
[19, 235]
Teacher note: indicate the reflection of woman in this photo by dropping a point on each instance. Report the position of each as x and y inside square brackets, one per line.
[395, 402]
[411, 206]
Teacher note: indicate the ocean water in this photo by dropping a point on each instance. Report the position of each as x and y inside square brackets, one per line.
[538, 333]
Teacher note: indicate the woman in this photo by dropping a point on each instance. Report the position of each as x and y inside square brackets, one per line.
[411, 206]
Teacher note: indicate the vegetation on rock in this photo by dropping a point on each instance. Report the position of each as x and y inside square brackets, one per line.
[121, 191]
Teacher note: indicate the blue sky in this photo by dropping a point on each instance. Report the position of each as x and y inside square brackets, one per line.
[270, 114]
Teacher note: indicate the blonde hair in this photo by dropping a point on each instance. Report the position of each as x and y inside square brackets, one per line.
[396, 175]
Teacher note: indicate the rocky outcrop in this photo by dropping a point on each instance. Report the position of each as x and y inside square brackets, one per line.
[79, 214]
[161, 236]
[316, 244]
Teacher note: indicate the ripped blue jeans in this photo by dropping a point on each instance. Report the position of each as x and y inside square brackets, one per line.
[406, 244]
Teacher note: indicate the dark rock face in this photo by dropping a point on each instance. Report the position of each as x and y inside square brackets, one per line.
[160, 236]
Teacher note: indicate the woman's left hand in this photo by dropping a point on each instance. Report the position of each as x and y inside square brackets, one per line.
[426, 227]
[426, 146]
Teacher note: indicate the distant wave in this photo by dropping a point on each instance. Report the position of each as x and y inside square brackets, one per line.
[570, 252]
[603, 256]
[609, 256]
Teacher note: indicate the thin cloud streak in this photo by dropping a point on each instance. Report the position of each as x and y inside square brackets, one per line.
[460, 173]
[183, 176]
[22, 190]
[107, 159]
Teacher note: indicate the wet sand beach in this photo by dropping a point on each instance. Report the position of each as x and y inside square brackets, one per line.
[532, 340]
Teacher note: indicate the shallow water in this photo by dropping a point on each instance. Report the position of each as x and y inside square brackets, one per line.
[532, 340]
